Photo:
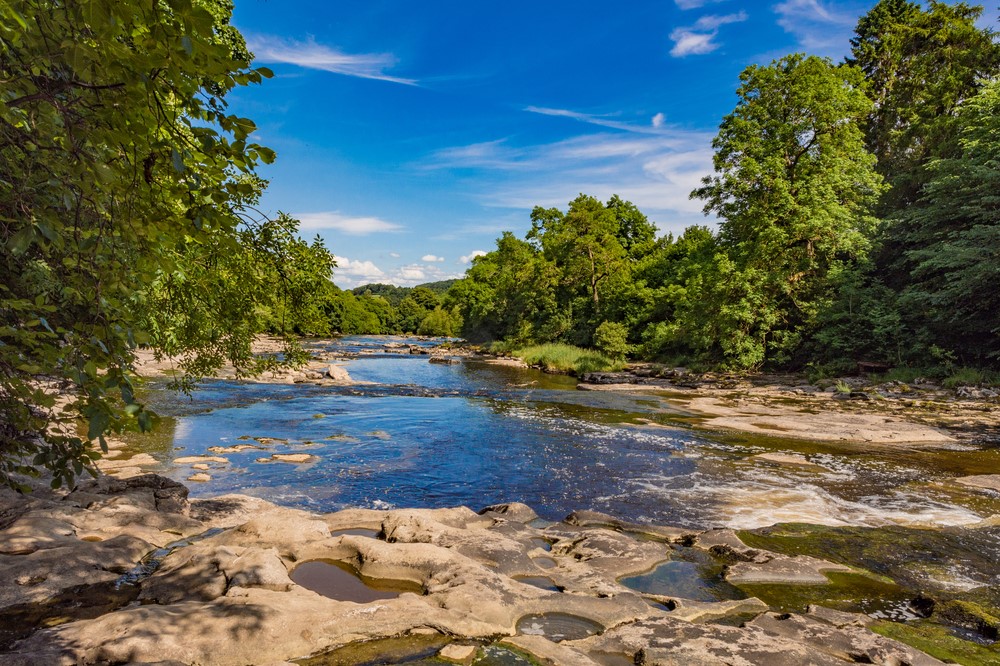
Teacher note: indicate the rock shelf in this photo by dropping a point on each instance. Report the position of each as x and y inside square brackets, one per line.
[230, 596]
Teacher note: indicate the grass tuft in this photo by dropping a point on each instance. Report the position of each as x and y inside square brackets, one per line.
[557, 357]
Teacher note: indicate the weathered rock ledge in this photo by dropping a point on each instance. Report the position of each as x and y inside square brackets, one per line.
[130, 571]
[789, 406]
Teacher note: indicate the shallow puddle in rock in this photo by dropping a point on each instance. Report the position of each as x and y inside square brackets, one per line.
[693, 575]
[338, 581]
[411, 650]
[495, 655]
[83, 602]
[356, 531]
[545, 562]
[543, 582]
[544, 544]
[558, 626]
[610, 659]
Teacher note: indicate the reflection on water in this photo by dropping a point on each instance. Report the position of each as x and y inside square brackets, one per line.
[434, 435]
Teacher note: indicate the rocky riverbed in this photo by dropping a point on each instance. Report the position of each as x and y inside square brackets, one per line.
[131, 571]
[128, 569]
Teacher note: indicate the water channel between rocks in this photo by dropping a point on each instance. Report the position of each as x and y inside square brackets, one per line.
[426, 434]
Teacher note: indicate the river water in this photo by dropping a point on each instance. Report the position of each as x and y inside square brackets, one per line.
[434, 435]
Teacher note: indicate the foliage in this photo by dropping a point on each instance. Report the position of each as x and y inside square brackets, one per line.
[124, 183]
[955, 229]
[611, 339]
[921, 64]
[793, 187]
[440, 322]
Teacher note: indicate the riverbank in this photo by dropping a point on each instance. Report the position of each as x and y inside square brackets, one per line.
[849, 409]
[132, 571]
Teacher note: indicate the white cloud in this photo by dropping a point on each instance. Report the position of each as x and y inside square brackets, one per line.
[658, 120]
[335, 221]
[414, 274]
[350, 273]
[817, 26]
[698, 39]
[467, 259]
[394, 255]
[430, 258]
[311, 55]
[655, 171]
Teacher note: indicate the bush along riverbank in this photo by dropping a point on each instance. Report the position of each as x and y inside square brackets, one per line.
[236, 580]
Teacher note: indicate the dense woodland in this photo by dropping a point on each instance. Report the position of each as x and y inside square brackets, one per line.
[859, 220]
[857, 206]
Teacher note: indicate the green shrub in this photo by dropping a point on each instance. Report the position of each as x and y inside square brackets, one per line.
[611, 339]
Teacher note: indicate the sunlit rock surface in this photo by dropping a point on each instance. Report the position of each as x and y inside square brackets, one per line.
[212, 581]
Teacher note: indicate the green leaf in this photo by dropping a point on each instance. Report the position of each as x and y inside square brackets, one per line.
[177, 160]
[21, 241]
[99, 423]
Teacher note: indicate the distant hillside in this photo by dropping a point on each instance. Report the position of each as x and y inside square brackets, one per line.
[438, 287]
[394, 294]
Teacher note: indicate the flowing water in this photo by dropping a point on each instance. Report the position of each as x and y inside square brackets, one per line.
[435, 435]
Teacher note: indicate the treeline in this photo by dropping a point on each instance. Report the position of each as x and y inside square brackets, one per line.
[859, 220]
[314, 306]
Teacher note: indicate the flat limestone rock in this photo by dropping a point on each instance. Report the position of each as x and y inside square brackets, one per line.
[226, 597]
[981, 481]
[704, 611]
[782, 569]
[833, 426]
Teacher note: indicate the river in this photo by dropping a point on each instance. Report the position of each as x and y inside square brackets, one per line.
[426, 434]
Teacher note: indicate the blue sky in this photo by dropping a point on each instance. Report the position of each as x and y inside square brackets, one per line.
[410, 134]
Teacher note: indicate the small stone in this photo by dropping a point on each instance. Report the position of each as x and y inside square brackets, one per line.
[458, 653]
[337, 373]
[200, 477]
[200, 466]
[288, 458]
[187, 460]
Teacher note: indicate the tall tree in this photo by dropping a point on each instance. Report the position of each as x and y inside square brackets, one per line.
[793, 188]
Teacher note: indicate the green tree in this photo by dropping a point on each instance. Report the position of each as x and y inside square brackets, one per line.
[793, 188]
[952, 291]
[120, 165]
[921, 64]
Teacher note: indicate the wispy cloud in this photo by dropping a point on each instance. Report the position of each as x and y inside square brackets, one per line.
[335, 221]
[694, 4]
[658, 120]
[817, 26]
[699, 38]
[655, 171]
[311, 55]
[594, 119]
